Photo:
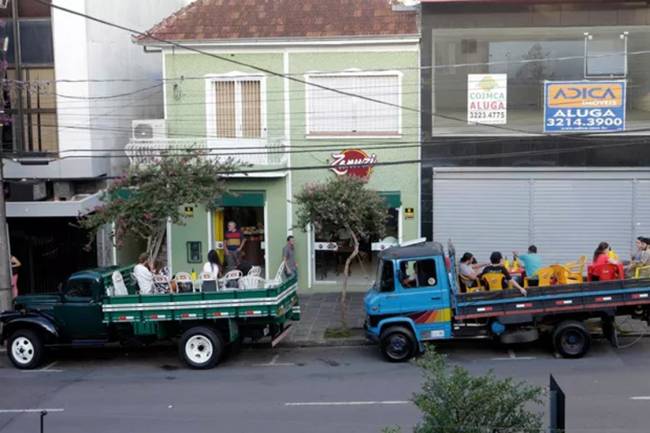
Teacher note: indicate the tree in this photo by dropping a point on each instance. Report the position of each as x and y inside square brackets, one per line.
[454, 401]
[148, 195]
[343, 202]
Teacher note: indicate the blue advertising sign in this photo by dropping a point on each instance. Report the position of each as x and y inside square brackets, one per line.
[584, 106]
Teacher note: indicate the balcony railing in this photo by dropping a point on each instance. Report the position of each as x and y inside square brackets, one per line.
[267, 151]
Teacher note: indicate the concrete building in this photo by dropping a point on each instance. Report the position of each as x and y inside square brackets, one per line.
[535, 118]
[75, 87]
[234, 99]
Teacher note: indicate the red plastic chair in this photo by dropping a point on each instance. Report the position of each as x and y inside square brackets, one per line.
[605, 272]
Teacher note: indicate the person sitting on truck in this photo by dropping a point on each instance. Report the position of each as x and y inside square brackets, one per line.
[496, 266]
[640, 259]
[143, 274]
[532, 264]
[213, 265]
[469, 269]
[601, 255]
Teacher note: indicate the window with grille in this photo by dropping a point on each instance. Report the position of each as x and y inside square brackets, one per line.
[238, 108]
[334, 114]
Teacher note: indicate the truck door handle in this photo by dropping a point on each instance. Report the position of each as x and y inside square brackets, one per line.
[435, 298]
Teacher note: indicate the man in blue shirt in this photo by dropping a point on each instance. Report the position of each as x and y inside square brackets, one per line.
[532, 263]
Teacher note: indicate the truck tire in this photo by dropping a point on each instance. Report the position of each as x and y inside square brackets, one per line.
[397, 344]
[25, 349]
[571, 339]
[201, 347]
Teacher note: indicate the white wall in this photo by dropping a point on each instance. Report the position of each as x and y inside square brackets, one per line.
[83, 51]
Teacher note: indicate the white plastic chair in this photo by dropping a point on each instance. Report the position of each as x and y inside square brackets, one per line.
[251, 282]
[160, 284]
[207, 282]
[231, 276]
[183, 282]
[255, 271]
[119, 288]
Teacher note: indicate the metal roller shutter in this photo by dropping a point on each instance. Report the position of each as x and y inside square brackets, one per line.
[570, 217]
[481, 215]
[564, 212]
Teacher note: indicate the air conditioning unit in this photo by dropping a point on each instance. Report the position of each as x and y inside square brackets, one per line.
[148, 129]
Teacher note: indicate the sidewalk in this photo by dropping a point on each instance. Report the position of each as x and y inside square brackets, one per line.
[321, 311]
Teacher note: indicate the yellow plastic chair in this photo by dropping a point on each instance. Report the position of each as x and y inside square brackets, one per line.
[493, 280]
[565, 276]
[466, 282]
[642, 271]
[546, 277]
[577, 267]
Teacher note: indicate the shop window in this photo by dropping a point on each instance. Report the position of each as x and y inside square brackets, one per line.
[335, 114]
[36, 46]
[238, 108]
[606, 55]
[415, 274]
[333, 246]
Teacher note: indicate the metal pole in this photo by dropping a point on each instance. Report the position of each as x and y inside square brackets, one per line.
[5, 258]
[43, 413]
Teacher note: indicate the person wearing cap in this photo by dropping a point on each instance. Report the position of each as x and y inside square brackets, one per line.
[640, 258]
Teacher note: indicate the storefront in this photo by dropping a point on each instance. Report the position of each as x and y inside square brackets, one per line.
[523, 96]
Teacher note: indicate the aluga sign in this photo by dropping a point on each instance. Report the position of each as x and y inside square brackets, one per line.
[577, 106]
[354, 162]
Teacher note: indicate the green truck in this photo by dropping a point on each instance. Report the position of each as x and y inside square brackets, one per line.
[83, 313]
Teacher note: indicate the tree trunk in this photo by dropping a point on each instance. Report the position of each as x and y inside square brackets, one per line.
[346, 273]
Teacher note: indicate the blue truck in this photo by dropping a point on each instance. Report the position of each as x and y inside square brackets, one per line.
[416, 298]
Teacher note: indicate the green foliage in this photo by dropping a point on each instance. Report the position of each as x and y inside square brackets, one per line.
[342, 202]
[454, 401]
[140, 202]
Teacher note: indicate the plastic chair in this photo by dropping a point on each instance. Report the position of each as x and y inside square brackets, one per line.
[251, 282]
[606, 272]
[642, 272]
[493, 280]
[208, 282]
[160, 284]
[229, 281]
[184, 282]
[545, 276]
[577, 267]
[255, 271]
[469, 285]
[119, 288]
[565, 276]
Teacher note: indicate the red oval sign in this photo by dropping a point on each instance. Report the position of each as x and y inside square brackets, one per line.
[353, 162]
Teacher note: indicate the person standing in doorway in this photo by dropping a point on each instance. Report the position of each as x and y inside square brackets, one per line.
[235, 241]
[289, 258]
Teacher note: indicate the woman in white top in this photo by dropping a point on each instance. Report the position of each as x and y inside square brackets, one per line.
[213, 265]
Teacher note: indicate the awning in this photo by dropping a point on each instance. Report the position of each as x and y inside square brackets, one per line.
[242, 199]
[393, 198]
[83, 205]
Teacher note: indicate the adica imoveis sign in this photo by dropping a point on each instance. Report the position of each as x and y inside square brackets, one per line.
[579, 106]
[487, 99]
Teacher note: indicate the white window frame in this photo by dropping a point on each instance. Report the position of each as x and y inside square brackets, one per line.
[353, 73]
[211, 102]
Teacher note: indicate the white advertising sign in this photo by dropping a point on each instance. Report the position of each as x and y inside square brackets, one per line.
[487, 99]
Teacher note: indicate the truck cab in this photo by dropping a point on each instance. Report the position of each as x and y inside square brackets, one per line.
[410, 301]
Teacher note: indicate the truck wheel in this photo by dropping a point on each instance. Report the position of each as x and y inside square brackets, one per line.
[201, 347]
[571, 339]
[397, 344]
[25, 349]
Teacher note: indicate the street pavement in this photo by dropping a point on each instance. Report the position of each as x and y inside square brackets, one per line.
[312, 389]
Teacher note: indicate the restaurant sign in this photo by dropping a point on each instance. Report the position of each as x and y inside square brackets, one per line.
[487, 99]
[584, 106]
[353, 162]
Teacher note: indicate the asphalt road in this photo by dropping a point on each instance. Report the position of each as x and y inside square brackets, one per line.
[300, 390]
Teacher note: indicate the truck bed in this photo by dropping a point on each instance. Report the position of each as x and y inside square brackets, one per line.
[587, 296]
[279, 302]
